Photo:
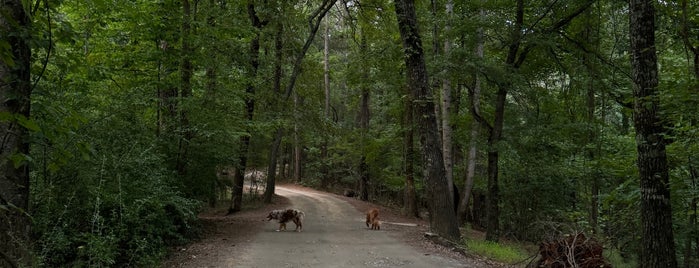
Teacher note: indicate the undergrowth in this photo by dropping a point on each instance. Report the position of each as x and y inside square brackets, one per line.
[505, 253]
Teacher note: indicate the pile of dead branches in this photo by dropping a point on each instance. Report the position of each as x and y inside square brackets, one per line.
[575, 250]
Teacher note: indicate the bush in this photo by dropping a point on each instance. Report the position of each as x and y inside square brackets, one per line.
[110, 203]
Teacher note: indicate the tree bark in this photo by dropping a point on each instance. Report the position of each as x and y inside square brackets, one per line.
[657, 240]
[297, 145]
[364, 122]
[410, 200]
[276, 87]
[475, 94]
[591, 137]
[446, 109]
[495, 132]
[185, 87]
[15, 92]
[442, 218]
[272, 167]
[239, 177]
[690, 256]
[326, 111]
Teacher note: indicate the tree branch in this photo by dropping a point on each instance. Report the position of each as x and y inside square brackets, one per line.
[597, 55]
[314, 23]
[476, 113]
[555, 27]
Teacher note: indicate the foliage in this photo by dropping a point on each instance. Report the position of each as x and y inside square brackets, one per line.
[502, 253]
[107, 140]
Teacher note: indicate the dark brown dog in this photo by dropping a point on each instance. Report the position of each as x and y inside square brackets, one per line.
[372, 218]
[286, 215]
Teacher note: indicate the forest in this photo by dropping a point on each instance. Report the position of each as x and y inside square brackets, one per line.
[527, 120]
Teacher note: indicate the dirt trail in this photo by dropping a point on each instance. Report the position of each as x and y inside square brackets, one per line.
[334, 236]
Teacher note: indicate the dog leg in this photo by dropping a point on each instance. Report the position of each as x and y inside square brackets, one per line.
[299, 225]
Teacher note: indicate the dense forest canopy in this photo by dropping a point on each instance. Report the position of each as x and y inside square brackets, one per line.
[123, 119]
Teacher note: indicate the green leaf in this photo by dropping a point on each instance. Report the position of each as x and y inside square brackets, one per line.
[27, 123]
[6, 116]
[6, 53]
[19, 159]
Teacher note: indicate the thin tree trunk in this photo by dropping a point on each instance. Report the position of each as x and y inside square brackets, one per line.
[515, 59]
[272, 167]
[326, 112]
[475, 131]
[297, 145]
[493, 199]
[364, 123]
[442, 218]
[15, 91]
[239, 177]
[211, 66]
[326, 68]
[410, 200]
[274, 149]
[592, 153]
[657, 239]
[314, 21]
[185, 88]
[690, 256]
[446, 109]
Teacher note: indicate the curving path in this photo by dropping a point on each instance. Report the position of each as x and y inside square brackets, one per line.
[334, 236]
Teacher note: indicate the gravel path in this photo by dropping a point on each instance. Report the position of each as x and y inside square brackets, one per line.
[334, 236]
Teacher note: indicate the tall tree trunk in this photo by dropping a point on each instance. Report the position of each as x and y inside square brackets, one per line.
[446, 108]
[364, 122]
[410, 200]
[211, 73]
[475, 95]
[185, 87]
[239, 177]
[276, 84]
[690, 256]
[495, 133]
[15, 92]
[326, 112]
[272, 167]
[657, 240]
[442, 218]
[326, 68]
[167, 96]
[297, 144]
[314, 22]
[591, 138]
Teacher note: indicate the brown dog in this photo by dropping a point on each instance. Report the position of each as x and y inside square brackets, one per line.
[372, 218]
[286, 215]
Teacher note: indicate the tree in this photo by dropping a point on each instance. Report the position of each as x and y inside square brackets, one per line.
[474, 96]
[15, 92]
[658, 244]
[447, 108]
[410, 196]
[364, 119]
[186, 70]
[277, 88]
[442, 217]
[314, 22]
[239, 176]
[517, 52]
